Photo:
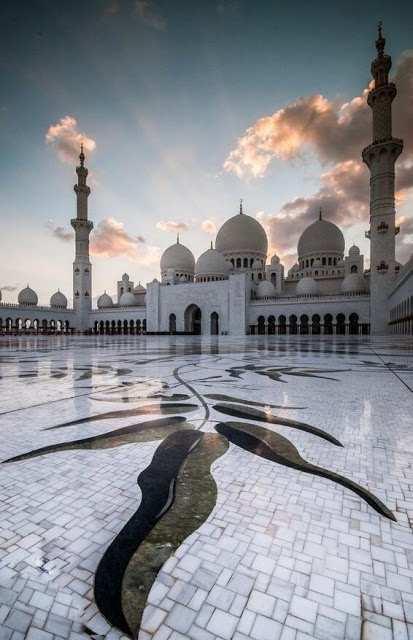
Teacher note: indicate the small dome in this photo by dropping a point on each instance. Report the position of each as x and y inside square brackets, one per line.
[212, 263]
[321, 236]
[307, 287]
[275, 260]
[27, 297]
[242, 234]
[125, 277]
[127, 299]
[179, 258]
[104, 301]
[265, 289]
[58, 300]
[354, 282]
[354, 251]
[139, 290]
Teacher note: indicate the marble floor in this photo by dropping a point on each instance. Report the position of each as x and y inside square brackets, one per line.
[229, 488]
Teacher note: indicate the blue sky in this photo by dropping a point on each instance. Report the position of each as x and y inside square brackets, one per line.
[165, 89]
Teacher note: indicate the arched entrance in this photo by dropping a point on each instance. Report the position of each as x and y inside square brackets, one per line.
[353, 324]
[193, 320]
[214, 324]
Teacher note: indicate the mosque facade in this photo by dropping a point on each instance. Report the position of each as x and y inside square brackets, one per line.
[234, 287]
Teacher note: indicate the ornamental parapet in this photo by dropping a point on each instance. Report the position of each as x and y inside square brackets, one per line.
[336, 297]
[33, 307]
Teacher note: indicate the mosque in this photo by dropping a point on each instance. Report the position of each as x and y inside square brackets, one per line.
[233, 288]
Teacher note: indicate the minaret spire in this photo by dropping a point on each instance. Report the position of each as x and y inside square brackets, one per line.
[240, 206]
[82, 268]
[177, 238]
[380, 157]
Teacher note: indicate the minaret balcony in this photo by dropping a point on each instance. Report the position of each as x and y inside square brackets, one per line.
[382, 267]
[367, 234]
[383, 227]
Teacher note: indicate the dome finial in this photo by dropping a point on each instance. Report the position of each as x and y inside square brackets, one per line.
[240, 206]
[82, 155]
[381, 41]
[320, 214]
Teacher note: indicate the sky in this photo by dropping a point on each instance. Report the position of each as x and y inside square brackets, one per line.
[184, 108]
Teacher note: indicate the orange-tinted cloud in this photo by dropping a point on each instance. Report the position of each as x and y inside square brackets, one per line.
[209, 226]
[65, 138]
[110, 240]
[171, 226]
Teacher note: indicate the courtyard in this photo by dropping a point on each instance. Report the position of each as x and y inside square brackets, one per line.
[276, 502]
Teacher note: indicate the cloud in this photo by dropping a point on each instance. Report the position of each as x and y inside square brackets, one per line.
[149, 13]
[65, 138]
[110, 240]
[171, 226]
[209, 226]
[8, 287]
[61, 233]
[334, 132]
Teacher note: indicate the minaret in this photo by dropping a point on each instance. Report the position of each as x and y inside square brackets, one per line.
[82, 268]
[380, 157]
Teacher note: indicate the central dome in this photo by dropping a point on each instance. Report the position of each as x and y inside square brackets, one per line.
[242, 234]
[321, 236]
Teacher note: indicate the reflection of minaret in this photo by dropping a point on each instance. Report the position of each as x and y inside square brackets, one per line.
[82, 268]
[380, 157]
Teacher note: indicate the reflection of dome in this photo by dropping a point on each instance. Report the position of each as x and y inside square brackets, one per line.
[211, 263]
[321, 236]
[104, 301]
[27, 297]
[127, 299]
[308, 287]
[242, 234]
[58, 300]
[179, 258]
[265, 289]
[354, 251]
[354, 282]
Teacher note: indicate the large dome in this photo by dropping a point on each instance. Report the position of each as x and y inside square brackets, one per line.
[265, 289]
[321, 237]
[104, 301]
[27, 297]
[127, 299]
[58, 300]
[354, 282]
[179, 258]
[307, 287]
[211, 263]
[242, 234]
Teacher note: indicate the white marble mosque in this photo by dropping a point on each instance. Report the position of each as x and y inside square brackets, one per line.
[233, 288]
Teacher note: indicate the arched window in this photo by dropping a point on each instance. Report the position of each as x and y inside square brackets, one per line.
[341, 324]
[251, 261]
[274, 279]
[232, 262]
[271, 325]
[101, 327]
[107, 327]
[282, 325]
[238, 263]
[138, 327]
[260, 276]
[353, 324]
[304, 324]
[144, 325]
[245, 262]
[354, 268]
[214, 324]
[293, 324]
[328, 324]
[172, 323]
[125, 327]
[323, 261]
[261, 325]
[315, 321]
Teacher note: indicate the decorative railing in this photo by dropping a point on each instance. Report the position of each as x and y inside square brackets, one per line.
[34, 307]
[308, 298]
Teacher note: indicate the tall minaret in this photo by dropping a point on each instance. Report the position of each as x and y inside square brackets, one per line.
[380, 157]
[82, 268]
